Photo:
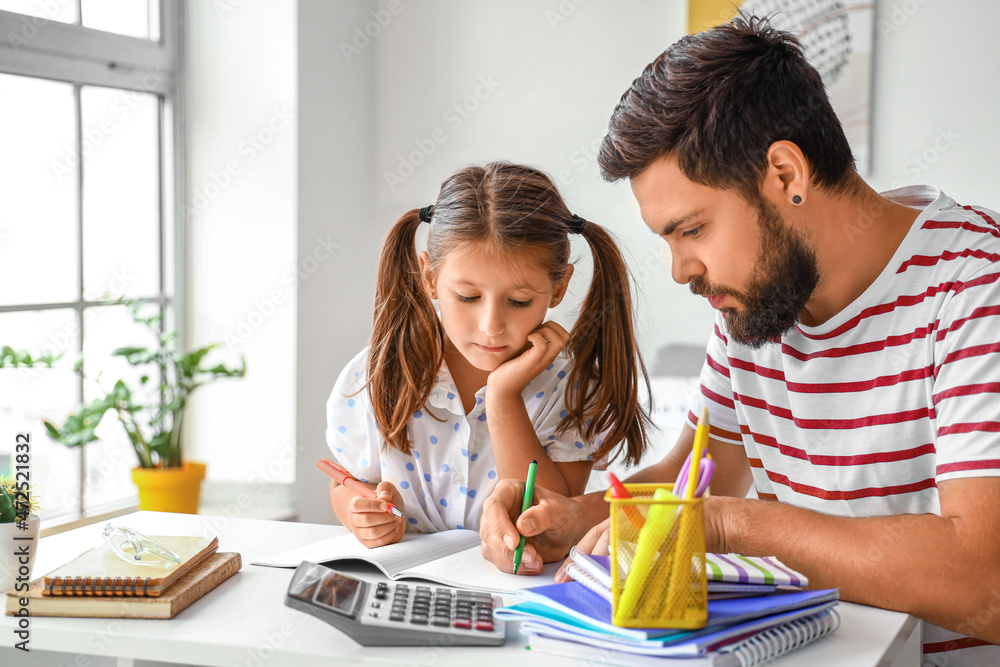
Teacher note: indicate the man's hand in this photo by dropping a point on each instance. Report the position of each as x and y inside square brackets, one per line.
[369, 521]
[552, 525]
[596, 541]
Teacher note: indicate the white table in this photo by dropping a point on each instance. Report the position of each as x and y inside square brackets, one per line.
[244, 621]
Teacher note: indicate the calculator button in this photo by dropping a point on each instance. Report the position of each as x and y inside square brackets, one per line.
[485, 626]
[443, 621]
[380, 595]
[376, 605]
[396, 617]
[418, 619]
[462, 623]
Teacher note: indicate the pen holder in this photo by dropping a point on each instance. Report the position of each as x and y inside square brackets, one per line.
[657, 560]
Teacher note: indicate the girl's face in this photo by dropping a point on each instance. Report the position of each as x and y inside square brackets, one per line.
[489, 306]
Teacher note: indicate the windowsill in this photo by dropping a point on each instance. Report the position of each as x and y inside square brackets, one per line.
[230, 499]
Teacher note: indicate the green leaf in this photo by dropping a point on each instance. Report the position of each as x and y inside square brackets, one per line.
[137, 355]
[187, 364]
[79, 428]
[160, 443]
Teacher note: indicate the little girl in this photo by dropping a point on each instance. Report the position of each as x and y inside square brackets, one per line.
[444, 402]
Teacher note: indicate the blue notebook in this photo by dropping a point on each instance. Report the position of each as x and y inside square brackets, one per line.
[583, 605]
[693, 644]
[752, 643]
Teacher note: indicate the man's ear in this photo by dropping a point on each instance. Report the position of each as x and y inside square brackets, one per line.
[787, 177]
[427, 276]
[560, 288]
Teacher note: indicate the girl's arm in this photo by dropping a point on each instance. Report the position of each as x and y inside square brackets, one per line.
[513, 436]
[515, 444]
[366, 517]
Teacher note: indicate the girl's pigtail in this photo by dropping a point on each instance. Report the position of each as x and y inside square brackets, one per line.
[604, 384]
[407, 342]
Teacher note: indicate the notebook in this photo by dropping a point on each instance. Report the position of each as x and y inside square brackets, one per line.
[192, 585]
[99, 572]
[734, 568]
[743, 646]
[449, 557]
[593, 572]
[580, 604]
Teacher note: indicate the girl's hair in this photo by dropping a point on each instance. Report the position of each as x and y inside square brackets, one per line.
[517, 212]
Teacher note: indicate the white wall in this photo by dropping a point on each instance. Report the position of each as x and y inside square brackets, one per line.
[241, 129]
[936, 98]
[337, 129]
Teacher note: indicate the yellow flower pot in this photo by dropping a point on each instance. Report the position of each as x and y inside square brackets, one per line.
[170, 489]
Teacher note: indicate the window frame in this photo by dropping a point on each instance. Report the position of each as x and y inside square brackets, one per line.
[47, 49]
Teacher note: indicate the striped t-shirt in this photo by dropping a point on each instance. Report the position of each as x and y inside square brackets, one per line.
[864, 414]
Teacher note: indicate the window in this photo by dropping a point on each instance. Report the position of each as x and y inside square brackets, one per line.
[92, 172]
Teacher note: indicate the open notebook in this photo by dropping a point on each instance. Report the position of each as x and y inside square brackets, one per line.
[450, 557]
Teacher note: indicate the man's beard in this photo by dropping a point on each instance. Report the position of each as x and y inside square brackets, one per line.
[783, 278]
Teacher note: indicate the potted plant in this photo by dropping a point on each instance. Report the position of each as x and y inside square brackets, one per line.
[166, 481]
[18, 532]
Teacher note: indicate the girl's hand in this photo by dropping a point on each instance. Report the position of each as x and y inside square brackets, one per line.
[511, 377]
[371, 523]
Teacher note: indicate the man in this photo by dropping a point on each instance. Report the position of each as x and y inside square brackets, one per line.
[852, 373]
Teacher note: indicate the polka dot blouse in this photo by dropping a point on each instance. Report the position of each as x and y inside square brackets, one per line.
[451, 470]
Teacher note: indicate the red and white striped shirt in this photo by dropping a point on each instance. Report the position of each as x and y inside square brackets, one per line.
[864, 414]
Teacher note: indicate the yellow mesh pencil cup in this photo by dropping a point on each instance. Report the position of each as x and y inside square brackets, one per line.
[657, 559]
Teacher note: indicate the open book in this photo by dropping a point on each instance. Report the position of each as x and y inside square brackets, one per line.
[450, 557]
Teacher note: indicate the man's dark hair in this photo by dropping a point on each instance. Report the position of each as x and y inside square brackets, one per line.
[716, 101]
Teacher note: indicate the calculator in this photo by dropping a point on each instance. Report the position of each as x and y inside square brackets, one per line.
[395, 614]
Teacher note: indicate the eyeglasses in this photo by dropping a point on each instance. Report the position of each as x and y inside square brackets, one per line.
[137, 549]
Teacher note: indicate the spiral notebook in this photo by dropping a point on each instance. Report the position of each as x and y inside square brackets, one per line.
[98, 572]
[745, 645]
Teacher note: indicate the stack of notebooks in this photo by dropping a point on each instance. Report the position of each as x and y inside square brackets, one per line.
[98, 584]
[755, 614]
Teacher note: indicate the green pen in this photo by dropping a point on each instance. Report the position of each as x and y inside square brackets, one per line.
[529, 494]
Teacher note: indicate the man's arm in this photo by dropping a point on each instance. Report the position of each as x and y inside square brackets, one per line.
[944, 569]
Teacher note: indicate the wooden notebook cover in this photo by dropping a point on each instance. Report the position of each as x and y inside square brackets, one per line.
[198, 581]
[99, 572]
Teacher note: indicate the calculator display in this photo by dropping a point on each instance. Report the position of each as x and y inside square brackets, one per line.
[338, 593]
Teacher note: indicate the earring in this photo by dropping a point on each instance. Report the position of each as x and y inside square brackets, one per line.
[796, 200]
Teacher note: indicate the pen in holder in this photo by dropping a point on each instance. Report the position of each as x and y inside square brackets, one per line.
[136, 549]
[657, 570]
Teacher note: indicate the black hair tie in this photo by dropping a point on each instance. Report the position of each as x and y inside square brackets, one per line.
[576, 226]
[426, 212]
